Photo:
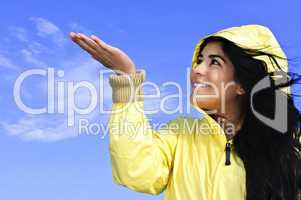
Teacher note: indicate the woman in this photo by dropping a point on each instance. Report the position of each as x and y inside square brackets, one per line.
[200, 158]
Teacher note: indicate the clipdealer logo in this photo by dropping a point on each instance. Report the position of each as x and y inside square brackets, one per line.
[59, 90]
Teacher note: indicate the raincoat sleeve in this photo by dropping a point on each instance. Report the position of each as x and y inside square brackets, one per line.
[142, 158]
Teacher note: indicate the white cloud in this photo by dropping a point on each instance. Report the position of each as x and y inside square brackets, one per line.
[37, 128]
[47, 28]
[20, 33]
[28, 52]
[29, 57]
[48, 128]
[7, 63]
[53, 127]
[37, 48]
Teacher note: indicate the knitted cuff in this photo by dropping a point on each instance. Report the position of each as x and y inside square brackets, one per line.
[127, 87]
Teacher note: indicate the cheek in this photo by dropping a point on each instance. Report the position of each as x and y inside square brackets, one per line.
[217, 79]
[227, 90]
[230, 93]
[224, 84]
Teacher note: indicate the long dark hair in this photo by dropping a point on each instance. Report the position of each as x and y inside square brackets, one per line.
[272, 159]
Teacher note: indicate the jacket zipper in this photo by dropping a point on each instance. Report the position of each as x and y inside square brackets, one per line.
[228, 152]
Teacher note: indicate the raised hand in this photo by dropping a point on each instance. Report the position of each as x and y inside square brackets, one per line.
[111, 57]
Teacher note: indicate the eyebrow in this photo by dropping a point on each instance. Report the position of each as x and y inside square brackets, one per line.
[215, 56]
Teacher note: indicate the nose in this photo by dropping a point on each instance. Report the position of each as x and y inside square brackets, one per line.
[201, 69]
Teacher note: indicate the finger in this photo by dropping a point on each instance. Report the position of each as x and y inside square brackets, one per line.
[73, 36]
[98, 41]
[88, 41]
[101, 43]
[101, 53]
[92, 48]
[96, 55]
[79, 39]
[85, 46]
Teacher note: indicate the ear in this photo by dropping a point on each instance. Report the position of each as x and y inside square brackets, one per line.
[240, 90]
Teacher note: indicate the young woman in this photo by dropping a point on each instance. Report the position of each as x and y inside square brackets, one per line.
[200, 158]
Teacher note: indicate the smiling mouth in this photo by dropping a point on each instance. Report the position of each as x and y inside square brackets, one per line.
[200, 85]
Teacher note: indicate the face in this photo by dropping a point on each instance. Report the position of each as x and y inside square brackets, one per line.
[212, 79]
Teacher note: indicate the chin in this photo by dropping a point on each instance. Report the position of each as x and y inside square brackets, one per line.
[205, 104]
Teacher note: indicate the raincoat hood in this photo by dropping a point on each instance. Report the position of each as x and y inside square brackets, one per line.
[255, 37]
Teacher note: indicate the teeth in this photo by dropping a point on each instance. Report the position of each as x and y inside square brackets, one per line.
[201, 85]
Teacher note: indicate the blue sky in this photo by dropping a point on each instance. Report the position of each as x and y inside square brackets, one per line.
[41, 158]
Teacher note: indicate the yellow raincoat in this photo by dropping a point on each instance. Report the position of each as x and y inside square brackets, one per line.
[186, 159]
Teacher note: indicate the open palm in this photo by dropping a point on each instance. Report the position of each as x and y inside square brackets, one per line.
[111, 57]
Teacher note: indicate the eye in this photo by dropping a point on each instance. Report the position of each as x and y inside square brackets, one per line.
[198, 60]
[215, 62]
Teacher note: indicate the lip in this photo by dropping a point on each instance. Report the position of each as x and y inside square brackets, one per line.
[200, 84]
